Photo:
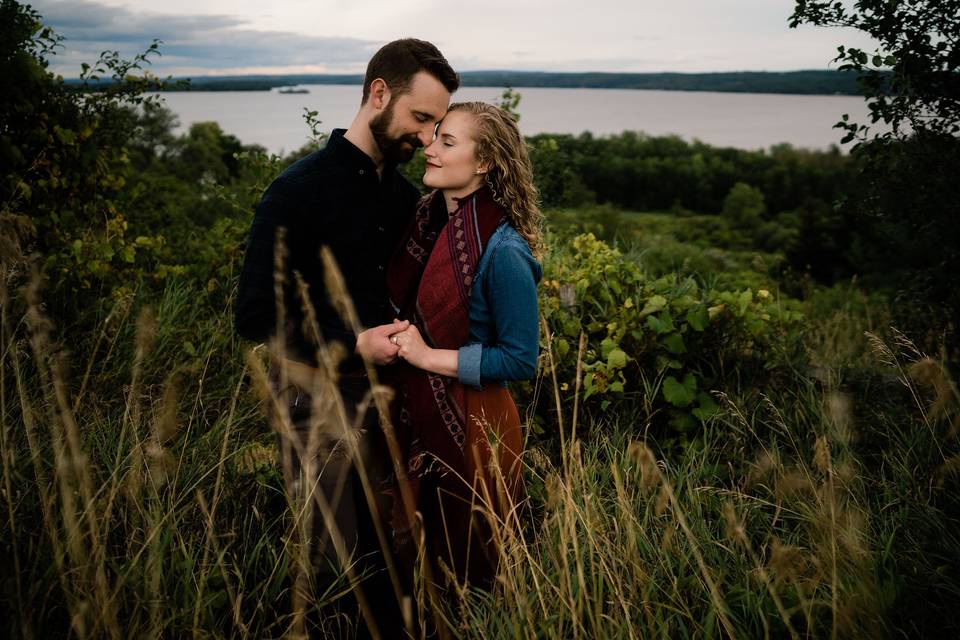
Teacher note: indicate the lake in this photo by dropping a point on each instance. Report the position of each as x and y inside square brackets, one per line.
[742, 120]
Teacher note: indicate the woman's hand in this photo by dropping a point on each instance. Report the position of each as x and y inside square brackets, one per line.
[414, 350]
[412, 347]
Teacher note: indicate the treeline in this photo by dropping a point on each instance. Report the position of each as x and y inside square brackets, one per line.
[811, 82]
[643, 173]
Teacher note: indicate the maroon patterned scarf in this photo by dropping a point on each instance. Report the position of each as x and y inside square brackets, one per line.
[430, 279]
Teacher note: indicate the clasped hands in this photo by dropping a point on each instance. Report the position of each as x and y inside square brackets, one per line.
[387, 342]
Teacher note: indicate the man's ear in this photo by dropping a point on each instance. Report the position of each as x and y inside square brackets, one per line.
[379, 93]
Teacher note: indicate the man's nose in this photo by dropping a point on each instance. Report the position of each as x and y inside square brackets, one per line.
[425, 135]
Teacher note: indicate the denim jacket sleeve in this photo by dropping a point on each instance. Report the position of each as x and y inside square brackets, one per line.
[509, 290]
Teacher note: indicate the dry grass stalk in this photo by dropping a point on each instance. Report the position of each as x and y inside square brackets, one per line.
[736, 531]
[718, 603]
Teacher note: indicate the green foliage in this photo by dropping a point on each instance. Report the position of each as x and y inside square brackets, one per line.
[906, 187]
[669, 339]
[65, 166]
[644, 173]
[744, 206]
[917, 43]
[557, 178]
[510, 102]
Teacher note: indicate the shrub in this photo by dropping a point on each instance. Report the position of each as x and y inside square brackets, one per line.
[671, 338]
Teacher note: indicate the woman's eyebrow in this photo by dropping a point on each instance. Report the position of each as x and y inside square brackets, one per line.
[448, 135]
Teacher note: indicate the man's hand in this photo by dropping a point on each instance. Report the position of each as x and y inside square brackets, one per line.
[375, 345]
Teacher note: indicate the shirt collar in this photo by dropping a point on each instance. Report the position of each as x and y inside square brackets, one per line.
[347, 152]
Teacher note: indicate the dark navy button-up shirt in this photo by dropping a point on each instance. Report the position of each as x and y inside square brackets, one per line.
[504, 317]
[332, 197]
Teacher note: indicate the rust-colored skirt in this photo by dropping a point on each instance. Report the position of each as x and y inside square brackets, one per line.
[465, 529]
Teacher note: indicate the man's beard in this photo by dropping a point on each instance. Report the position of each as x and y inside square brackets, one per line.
[394, 150]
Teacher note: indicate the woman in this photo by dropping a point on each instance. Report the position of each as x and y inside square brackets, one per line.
[466, 278]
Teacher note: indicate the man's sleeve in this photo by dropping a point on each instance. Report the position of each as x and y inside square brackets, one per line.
[256, 312]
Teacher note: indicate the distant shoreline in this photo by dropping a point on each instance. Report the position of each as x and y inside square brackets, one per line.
[809, 82]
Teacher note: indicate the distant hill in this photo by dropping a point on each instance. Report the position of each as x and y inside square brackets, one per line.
[821, 82]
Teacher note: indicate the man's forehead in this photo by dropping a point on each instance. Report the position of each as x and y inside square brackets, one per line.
[427, 94]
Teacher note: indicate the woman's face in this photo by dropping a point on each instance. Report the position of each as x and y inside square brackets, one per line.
[452, 163]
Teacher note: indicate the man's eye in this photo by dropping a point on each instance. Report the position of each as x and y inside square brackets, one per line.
[420, 117]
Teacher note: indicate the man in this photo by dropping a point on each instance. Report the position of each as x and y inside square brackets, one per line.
[349, 197]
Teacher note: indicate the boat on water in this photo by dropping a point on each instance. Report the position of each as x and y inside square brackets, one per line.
[293, 90]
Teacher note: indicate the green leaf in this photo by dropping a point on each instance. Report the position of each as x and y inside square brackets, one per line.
[698, 317]
[683, 421]
[562, 347]
[654, 304]
[744, 300]
[680, 394]
[661, 324]
[708, 407]
[189, 349]
[616, 386]
[674, 343]
[617, 359]
[663, 362]
[66, 136]
[608, 345]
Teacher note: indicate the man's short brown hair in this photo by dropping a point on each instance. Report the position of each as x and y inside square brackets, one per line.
[398, 61]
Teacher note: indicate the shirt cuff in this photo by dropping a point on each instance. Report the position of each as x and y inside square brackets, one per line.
[468, 364]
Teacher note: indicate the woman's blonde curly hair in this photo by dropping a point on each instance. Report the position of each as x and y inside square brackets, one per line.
[509, 173]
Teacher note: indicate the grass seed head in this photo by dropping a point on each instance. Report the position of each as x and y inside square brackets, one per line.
[931, 373]
[733, 524]
[792, 483]
[554, 486]
[785, 561]
[663, 500]
[821, 454]
[646, 462]
[840, 412]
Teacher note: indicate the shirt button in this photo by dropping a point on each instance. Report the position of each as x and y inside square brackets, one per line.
[381, 228]
[379, 267]
[361, 171]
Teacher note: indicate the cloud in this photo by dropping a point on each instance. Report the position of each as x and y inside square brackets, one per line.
[202, 37]
[192, 43]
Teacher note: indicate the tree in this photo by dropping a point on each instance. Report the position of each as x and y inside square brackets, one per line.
[64, 164]
[906, 193]
[912, 78]
[744, 206]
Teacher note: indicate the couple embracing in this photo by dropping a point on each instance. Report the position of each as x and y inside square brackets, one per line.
[446, 286]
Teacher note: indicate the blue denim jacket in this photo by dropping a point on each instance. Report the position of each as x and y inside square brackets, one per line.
[504, 319]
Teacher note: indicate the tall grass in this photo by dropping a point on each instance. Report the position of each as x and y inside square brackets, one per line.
[142, 497]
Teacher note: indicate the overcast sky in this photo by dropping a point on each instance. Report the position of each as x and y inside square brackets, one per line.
[204, 37]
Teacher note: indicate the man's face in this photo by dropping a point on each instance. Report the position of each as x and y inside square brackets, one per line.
[408, 121]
